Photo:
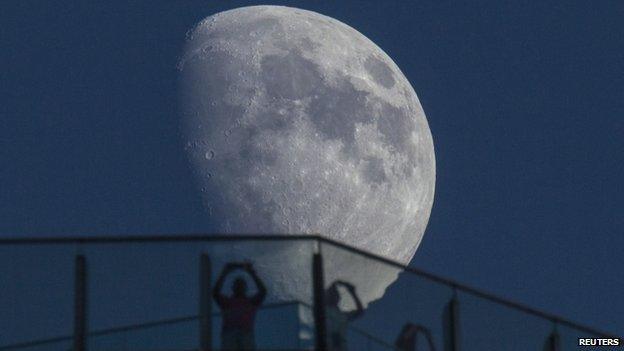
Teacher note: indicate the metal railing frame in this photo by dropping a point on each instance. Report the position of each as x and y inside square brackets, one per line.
[171, 321]
[149, 239]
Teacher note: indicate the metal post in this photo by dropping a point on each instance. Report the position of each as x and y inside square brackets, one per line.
[553, 341]
[80, 304]
[451, 324]
[319, 302]
[205, 304]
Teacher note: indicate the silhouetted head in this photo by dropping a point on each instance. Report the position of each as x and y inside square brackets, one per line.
[332, 296]
[239, 287]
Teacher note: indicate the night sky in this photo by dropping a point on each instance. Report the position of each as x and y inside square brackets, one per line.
[525, 102]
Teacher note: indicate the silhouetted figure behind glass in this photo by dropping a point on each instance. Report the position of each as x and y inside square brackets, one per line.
[239, 310]
[337, 320]
[406, 341]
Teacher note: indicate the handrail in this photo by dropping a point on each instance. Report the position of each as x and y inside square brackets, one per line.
[209, 237]
[84, 240]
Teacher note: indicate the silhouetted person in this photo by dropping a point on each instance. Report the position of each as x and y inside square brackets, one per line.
[239, 310]
[338, 320]
[406, 341]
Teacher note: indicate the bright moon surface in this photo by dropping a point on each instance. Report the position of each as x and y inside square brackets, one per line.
[297, 123]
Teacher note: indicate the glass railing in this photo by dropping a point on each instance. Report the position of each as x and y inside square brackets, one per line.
[149, 293]
[279, 321]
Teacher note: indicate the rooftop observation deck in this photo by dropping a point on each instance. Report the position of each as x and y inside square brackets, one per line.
[153, 293]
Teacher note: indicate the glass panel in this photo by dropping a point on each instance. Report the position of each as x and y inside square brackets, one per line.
[66, 344]
[134, 284]
[283, 321]
[277, 327]
[166, 335]
[36, 296]
[393, 300]
[145, 296]
[137, 283]
[486, 325]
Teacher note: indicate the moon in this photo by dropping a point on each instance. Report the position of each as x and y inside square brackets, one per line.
[295, 122]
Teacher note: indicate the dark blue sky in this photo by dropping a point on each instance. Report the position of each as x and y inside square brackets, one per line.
[525, 102]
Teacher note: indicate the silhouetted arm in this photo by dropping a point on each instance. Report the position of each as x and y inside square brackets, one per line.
[216, 291]
[359, 309]
[262, 291]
